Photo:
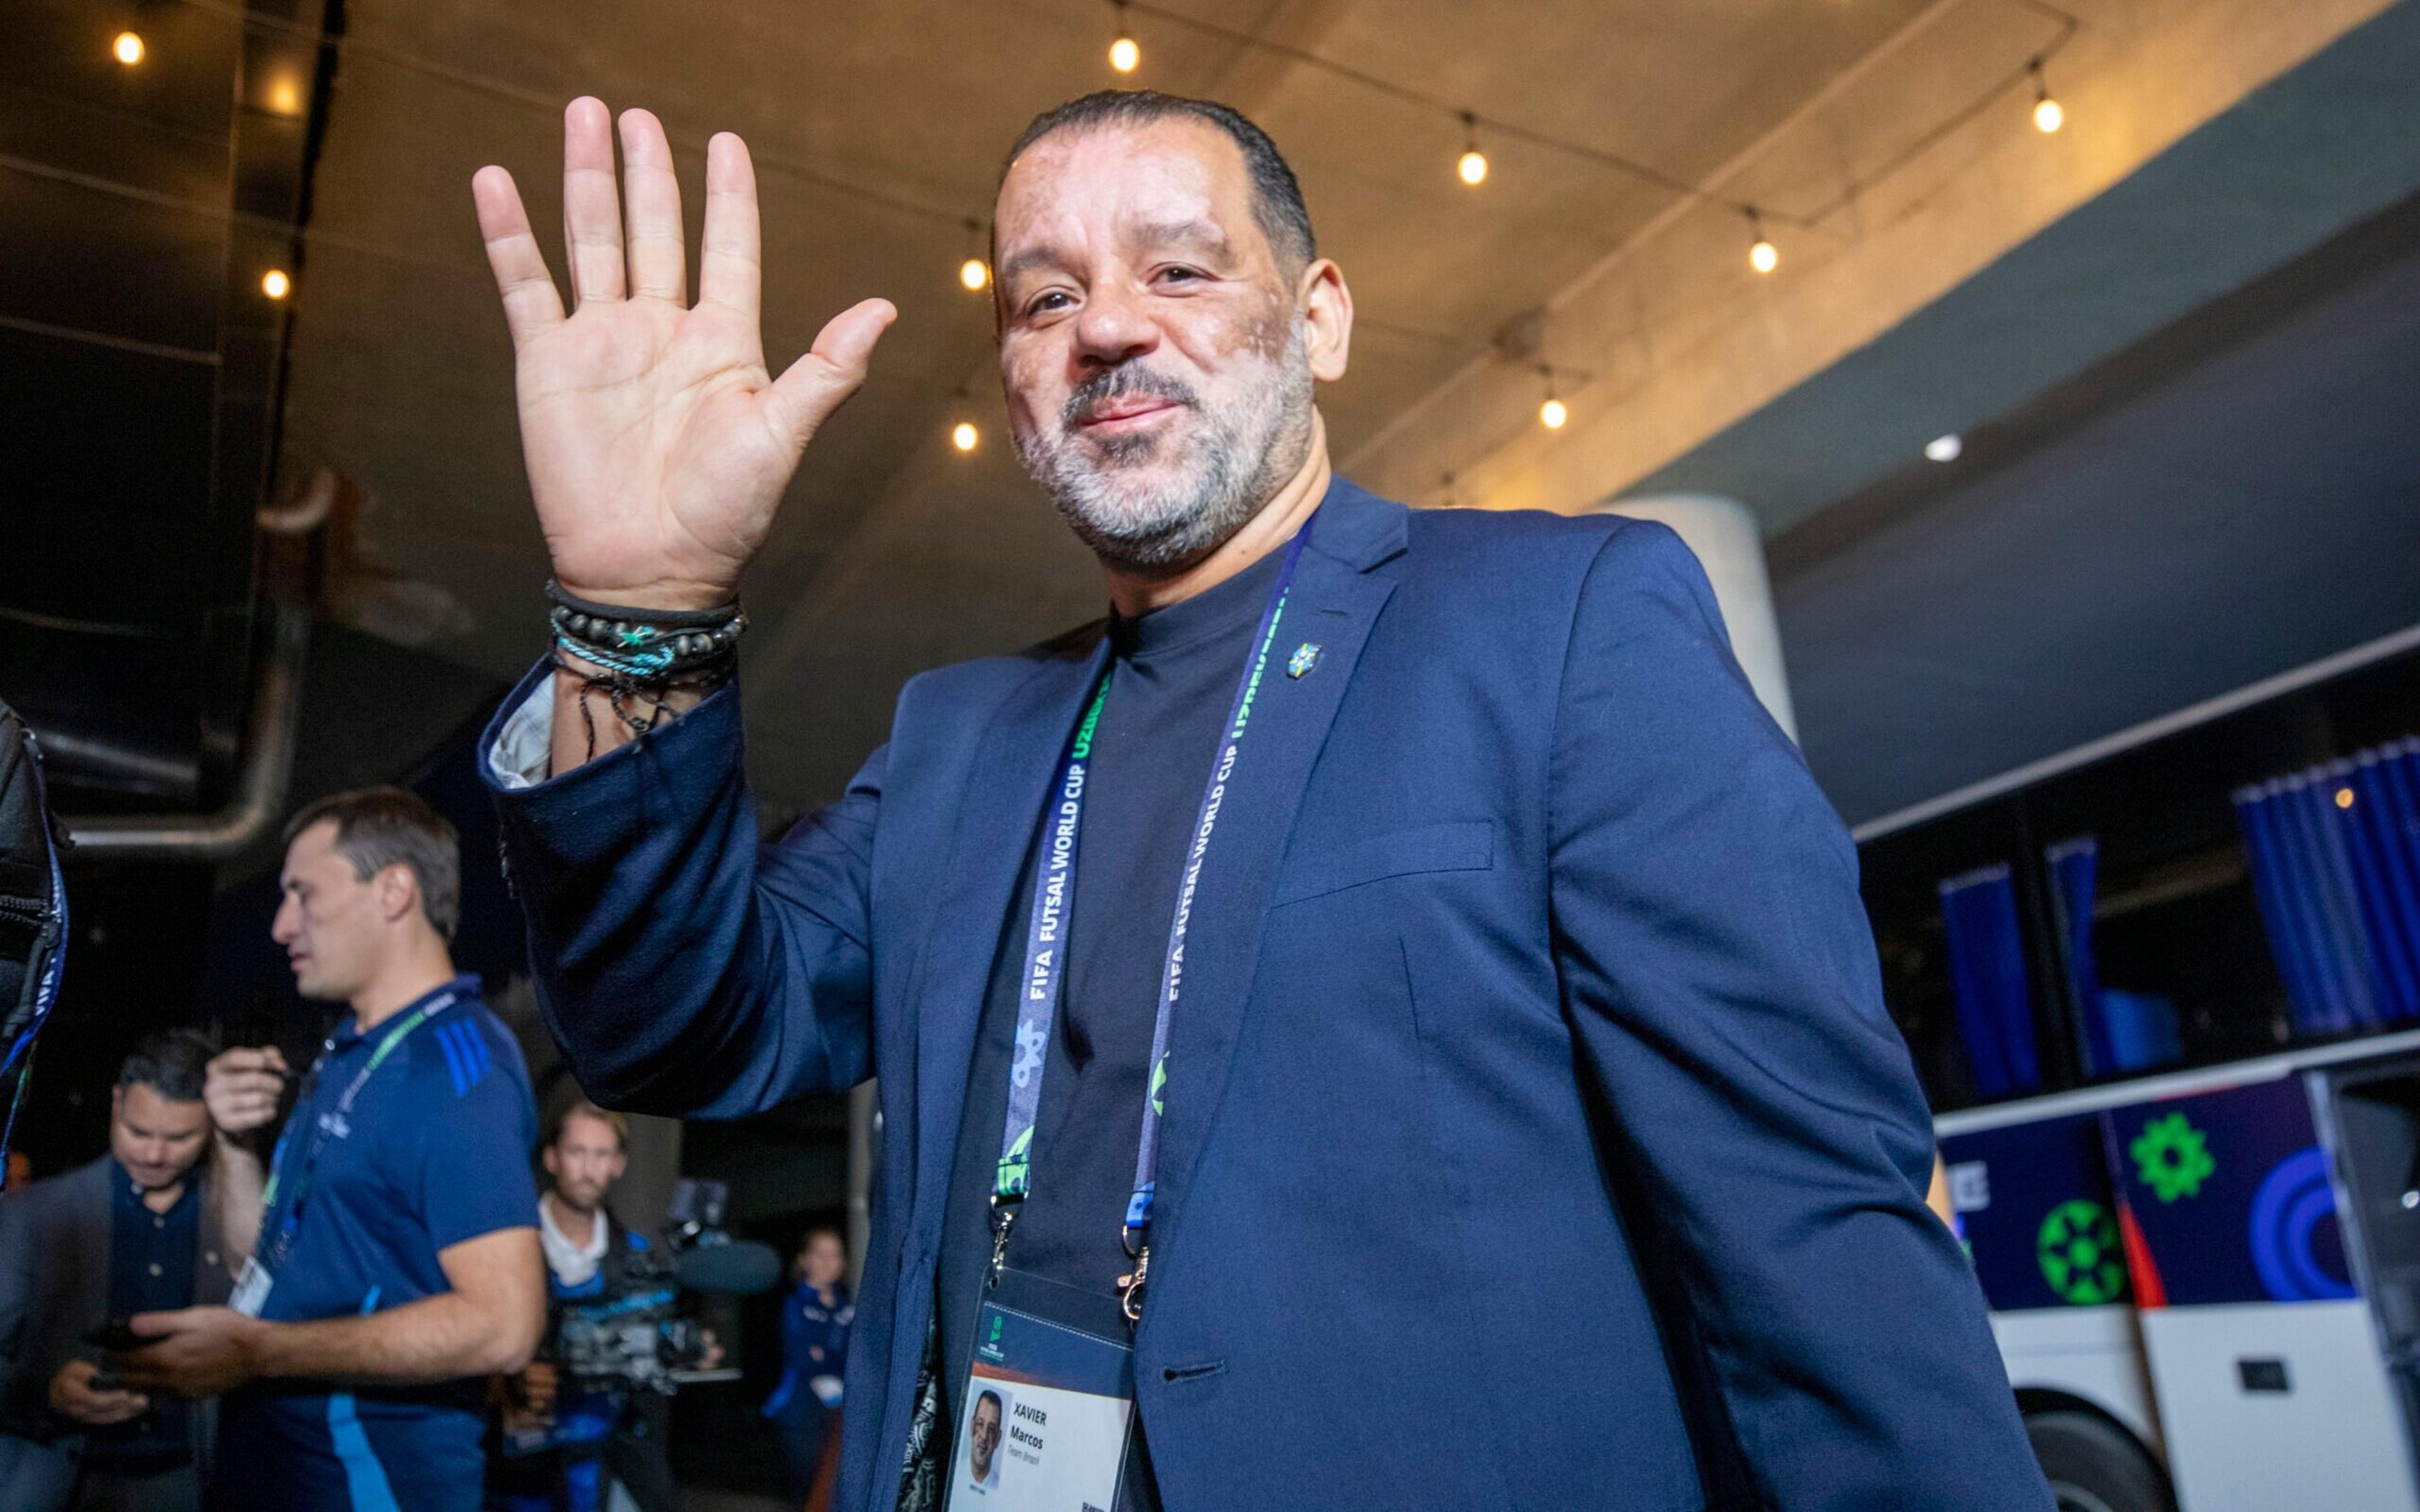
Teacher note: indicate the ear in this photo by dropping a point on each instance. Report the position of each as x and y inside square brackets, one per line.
[117, 1101]
[398, 891]
[621, 1163]
[554, 1166]
[1326, 308]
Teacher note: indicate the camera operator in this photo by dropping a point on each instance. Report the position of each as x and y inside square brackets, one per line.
[563, 1441]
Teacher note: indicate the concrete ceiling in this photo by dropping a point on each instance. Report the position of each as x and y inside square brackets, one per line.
[1969, 271]
[2232, 498]
[892, 552]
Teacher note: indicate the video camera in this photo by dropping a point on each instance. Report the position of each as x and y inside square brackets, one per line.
[642, 1333]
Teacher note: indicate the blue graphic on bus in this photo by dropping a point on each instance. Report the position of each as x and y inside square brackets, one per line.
[2294, 1201]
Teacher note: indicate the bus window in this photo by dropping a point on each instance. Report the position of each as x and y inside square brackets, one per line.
[1988, 982]
[2122, 1031]
[2334, 855]
[1959, 962]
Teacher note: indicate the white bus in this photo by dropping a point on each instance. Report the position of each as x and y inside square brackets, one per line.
[2165, 993]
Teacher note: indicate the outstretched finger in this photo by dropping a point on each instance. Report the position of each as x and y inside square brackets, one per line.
[592, 211]
[652, 210]
[730, 261]
[802, 398]
[532, 304]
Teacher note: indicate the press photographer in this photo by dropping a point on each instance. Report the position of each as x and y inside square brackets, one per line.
[589, 1414]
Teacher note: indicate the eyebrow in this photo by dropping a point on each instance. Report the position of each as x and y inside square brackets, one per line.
[1195, 233]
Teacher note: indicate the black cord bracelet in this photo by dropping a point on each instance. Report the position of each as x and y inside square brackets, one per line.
[662, 618]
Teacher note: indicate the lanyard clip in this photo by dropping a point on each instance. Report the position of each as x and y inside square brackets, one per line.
[1130, 1287]
[1002, 1214]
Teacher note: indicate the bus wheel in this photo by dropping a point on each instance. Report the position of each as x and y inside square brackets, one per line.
[2094, 1466]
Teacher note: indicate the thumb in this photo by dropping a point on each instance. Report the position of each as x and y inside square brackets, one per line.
[802, 398]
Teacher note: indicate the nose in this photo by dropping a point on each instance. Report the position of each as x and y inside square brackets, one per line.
[288, 922]
[1113, 327]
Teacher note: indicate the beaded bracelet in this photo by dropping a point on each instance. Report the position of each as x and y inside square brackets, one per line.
[640, 657]
[643, 644]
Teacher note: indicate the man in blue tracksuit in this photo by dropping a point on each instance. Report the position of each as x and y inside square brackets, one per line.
[396, 1264]
[815, 1316]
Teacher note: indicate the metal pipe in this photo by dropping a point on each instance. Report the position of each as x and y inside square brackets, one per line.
[260, 785]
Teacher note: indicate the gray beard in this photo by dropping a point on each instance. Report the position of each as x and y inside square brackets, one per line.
[1231, 466]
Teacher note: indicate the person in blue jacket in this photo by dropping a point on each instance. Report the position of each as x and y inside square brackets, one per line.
[1386, 937]
[815, 1316]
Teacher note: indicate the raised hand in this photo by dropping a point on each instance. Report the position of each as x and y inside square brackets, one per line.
[657, 442]
[241, 1086]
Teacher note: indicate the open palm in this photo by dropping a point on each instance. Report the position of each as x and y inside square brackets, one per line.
[657, 442]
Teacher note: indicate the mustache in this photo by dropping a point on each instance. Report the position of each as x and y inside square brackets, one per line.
[1122, 382]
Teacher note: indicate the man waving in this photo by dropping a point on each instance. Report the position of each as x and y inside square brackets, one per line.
[1383, 938]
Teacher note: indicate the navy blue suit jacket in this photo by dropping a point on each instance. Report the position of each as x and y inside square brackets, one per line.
[1535, 1137]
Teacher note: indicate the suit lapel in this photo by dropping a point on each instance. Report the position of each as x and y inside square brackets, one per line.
[1334, 603]
[1006, 789]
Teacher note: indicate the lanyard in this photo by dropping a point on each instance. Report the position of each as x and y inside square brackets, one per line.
[327, 1126]
[1046, 951]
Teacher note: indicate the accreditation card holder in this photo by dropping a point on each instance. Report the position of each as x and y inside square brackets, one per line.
[251, 1287]
[1047, 1424]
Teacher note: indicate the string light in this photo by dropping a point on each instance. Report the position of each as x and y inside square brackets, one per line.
[1554, 413]
[1472, 165]
[1126, 54]
[1762, 254]
[1944, 448]
[276, 283]
[975, 274]
[126, 49]
[2048, 114]
[965, 437]
[2344, 798]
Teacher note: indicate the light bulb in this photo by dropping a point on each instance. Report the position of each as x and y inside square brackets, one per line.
[1125, 55]
[285, 97]
[128, 49]
[2048, 114]
[974, 273]
[1763, 257]
[1944, 448]
[964, 436]
[1472, 167]
[1553, 413]
[276, 283]
[2344, 798]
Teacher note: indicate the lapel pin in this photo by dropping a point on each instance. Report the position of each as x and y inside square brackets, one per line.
[1305, 657]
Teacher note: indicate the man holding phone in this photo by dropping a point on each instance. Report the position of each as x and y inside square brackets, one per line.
[79, 1255]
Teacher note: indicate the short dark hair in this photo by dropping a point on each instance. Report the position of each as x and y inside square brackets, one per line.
[382, 826]
[1276, 198]
[173, 1063]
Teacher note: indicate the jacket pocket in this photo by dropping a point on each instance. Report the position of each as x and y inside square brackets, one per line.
[1462, 845]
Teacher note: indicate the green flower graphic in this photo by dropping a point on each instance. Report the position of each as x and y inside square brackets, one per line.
[2077, 1246]
[2172, 1157]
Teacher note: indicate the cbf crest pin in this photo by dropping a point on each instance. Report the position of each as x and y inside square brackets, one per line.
[1305, 657]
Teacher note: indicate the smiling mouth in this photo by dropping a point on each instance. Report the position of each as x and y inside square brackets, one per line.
[1126, 414]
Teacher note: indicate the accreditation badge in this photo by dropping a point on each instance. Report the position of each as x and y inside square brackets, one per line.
[250, 1292]
[1047, 1424]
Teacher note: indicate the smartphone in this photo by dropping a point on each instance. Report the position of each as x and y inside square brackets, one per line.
[116, 1337]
